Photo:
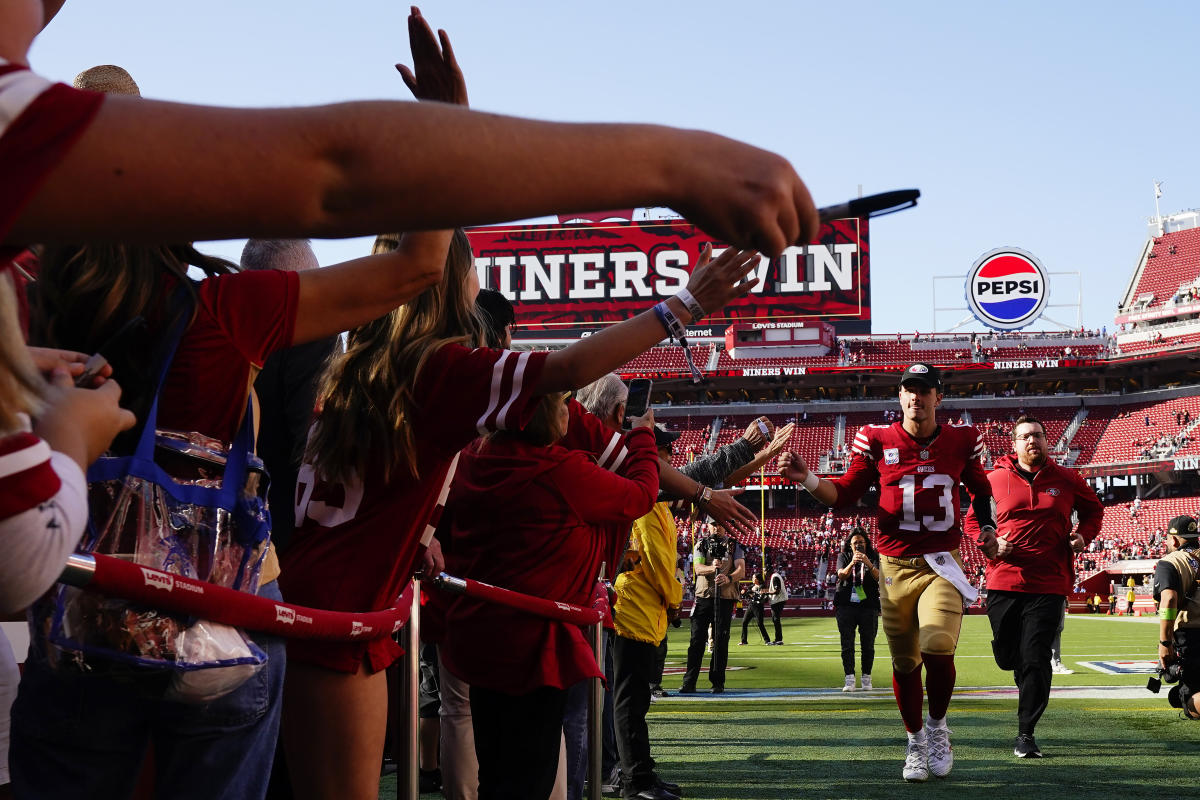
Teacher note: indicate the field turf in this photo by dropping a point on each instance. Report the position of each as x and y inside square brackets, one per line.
[1120, 741]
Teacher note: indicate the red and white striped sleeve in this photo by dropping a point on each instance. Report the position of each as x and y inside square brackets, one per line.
[474, 392]
[586, 432]
[977, 451]
[39, 123]
[43, 511]
[862, 444]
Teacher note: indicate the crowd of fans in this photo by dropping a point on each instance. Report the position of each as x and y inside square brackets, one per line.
[102, 191]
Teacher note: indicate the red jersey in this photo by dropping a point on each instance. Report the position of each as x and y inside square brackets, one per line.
[240, 319]
[40, 122]
[1033, 512]
[357, 545]
[918, 484]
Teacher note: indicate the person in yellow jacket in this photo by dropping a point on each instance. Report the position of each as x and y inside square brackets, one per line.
[647, 593]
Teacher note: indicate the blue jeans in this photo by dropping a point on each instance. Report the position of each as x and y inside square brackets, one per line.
[575, 728]
[84, 735]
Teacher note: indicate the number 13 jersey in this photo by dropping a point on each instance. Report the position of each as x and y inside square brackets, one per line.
[918, 484]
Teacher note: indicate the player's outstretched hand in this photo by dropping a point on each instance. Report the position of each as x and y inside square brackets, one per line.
[792, 467]
[435, 74]
[726, 510]
[748, 197]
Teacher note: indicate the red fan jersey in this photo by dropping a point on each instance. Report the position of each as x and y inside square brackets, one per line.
[357, 545]
[918, 484]
[39, 123]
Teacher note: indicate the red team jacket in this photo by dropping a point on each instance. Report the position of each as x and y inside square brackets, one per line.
[1036, 518]
[918, 484]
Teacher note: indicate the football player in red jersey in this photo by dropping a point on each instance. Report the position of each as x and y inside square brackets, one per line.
[918, 465]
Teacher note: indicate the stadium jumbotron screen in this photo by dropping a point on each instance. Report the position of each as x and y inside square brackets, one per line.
[569, 279]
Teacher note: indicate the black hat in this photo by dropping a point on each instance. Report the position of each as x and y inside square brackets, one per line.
[1184, 527]
[925, 374]
[663, 437]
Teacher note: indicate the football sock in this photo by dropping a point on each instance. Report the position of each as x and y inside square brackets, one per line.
[939, 682]
[910, 698]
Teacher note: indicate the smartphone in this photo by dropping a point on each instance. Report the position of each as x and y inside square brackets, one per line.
[762, 428]
[639, 398]
[873, 205]
[91, 369]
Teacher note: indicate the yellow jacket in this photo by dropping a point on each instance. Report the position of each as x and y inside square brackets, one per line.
[645, 592]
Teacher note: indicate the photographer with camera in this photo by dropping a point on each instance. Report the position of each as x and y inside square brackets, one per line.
[719, 564]
[856, 603]
[1175, 580]
[754, 601]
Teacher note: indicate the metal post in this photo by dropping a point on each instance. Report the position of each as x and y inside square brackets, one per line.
[596, 718]
[407, 778]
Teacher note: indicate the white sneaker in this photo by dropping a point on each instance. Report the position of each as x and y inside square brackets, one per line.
[1059, 668]
[941, 754]
[849, 686]
[916, 767]
[866, 683]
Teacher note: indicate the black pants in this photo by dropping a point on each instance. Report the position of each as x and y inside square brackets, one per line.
[755, 612]
[516, 742]
[660, 664]
[861, 619]
[631, 700]
[1023, 627]
[702, 618]
[777, 618]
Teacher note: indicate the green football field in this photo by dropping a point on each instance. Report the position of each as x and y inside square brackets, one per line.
[780, 731]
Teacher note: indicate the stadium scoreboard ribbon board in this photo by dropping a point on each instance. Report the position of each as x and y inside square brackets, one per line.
[566, 280]
[1007, 288]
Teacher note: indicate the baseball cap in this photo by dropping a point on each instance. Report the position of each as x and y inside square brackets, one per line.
[1184, 527]
[924, 374]
[662, 436]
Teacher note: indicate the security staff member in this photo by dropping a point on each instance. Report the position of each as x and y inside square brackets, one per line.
[1179, 610]
[1033, 570]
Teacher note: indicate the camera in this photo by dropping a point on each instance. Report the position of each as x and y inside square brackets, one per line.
[859, 547]
[718, 548]
[1168, 674]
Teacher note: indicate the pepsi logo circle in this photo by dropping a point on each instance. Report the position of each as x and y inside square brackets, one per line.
[1007, 288]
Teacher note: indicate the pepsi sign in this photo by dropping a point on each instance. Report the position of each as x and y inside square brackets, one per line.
[1007, 288]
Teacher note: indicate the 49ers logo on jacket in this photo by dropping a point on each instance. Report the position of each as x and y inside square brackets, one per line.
[1007, 288]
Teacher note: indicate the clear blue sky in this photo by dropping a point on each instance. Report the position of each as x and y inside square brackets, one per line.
[1040, 125]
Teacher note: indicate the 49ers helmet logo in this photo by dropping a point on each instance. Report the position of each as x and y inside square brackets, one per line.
[1007, 288]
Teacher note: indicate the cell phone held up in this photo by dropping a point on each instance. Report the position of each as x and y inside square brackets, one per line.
[639, 399]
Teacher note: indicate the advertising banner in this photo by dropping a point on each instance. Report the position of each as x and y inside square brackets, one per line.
[563, 278]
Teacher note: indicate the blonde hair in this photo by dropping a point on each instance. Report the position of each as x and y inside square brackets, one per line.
[541, 429]
[367, 395]
[22, 390]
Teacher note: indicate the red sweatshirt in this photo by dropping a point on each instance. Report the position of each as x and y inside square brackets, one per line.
[1035, 516]
[536, 520]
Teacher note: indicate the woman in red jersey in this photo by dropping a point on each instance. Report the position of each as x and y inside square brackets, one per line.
[408, 394]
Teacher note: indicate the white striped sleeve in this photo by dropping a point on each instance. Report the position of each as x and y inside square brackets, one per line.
[978, 452]
[513, 379]
[862, 445]
[18, 89]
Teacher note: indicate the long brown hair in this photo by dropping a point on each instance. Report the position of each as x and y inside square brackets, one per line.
[85, 294]
[21, 388]
[367, 394]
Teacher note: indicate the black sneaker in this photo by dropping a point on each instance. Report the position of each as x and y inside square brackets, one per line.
[718, 690]
[687, 689]
[659, 691]
[1026, 747]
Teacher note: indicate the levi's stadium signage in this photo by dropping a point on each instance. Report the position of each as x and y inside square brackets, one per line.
[1007, 288]
[564, 278]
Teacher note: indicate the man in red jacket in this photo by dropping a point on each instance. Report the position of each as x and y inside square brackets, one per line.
[1033, 570]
